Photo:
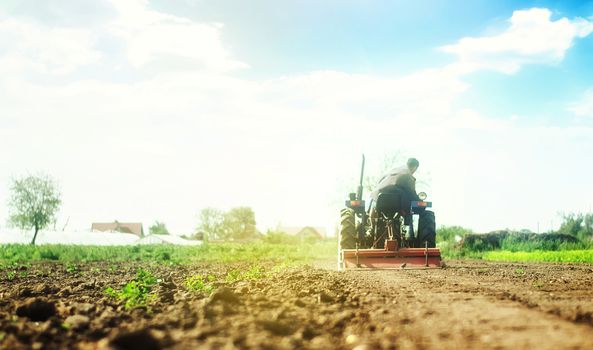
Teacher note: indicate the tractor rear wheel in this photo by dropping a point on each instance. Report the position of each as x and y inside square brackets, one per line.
[427, 230]
[347, 229]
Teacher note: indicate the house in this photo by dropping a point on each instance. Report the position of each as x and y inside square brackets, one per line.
[124, 227]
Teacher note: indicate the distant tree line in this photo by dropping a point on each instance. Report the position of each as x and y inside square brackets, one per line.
[34, 202]
[235, 224]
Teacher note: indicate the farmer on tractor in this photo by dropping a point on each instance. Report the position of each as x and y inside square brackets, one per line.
[386, 234]
[402, 179]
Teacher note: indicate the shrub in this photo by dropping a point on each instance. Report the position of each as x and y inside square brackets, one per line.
[483, 242]
[519, 241]
[452, 233]
[533, 241]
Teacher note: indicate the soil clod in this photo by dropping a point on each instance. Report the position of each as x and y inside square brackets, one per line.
[77, 322]
[224, 294]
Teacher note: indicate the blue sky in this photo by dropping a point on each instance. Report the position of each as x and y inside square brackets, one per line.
[390, 37]
[152, 110]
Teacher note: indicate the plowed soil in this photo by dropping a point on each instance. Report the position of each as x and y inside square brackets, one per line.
[471, 304]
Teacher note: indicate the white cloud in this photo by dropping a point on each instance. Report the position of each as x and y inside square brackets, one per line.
[583, 107]
[532, 37]
[181, 137]
[150, 35]
[169, 142]
[150, 39]
[30, 46]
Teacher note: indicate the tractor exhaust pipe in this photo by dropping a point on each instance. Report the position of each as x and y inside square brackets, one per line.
[359, 192]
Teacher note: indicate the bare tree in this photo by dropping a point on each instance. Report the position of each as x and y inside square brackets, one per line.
[34, 202]
[211, 224]
[239, 223]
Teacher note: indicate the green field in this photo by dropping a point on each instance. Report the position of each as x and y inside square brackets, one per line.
[218, 252]
[246, 252]
[578, 256]
[459, 243]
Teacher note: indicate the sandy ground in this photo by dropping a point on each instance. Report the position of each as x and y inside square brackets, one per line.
[468, 304]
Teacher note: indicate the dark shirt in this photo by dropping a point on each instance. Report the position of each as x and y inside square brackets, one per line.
[400, 177]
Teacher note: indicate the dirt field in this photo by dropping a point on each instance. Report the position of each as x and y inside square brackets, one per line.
[466, 305]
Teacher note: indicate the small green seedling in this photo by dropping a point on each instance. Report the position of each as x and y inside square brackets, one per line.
[233, 276]
[10, 275]
[254, 273]
[137, 293]
[71, 268]
[199, 283]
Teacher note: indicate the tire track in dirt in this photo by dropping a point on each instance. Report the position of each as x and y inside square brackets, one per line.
[563, 290]
[487, 305]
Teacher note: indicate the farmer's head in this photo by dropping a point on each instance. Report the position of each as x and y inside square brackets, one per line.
[413, 164]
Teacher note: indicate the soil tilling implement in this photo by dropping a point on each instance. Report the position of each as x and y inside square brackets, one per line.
[390, 241]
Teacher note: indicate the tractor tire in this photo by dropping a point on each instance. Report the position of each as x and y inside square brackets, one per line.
[427, 230]
[347, 229]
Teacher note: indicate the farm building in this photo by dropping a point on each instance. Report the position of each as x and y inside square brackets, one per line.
[116, 226]
[16, 236]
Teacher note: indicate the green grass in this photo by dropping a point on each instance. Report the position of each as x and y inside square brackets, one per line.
[15, 257]
[220, 252]
[578, 256]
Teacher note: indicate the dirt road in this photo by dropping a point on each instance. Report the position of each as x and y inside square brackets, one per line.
[466, 305]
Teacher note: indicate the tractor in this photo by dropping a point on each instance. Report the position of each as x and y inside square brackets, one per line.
[390, 240]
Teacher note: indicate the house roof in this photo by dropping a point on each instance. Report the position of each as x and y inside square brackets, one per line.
[125, 227]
